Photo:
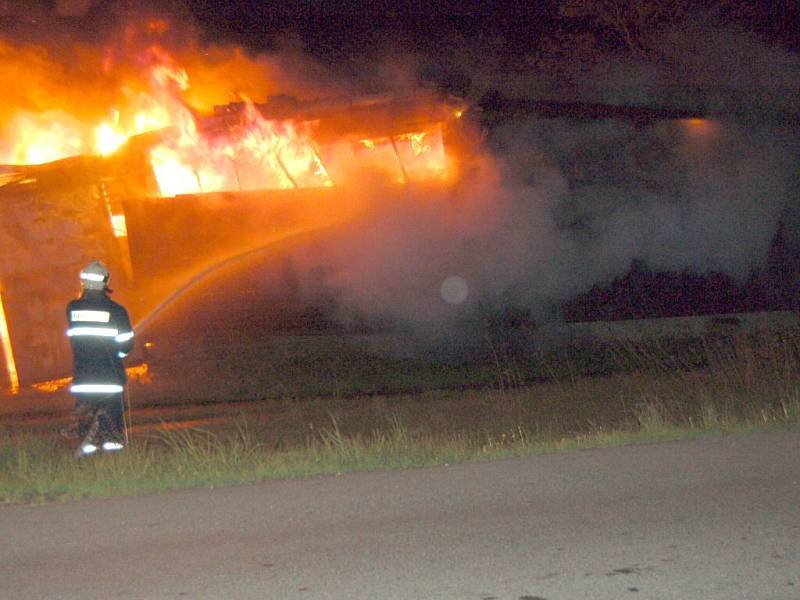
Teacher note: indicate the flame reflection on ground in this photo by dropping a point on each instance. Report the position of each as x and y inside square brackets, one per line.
[138, 373]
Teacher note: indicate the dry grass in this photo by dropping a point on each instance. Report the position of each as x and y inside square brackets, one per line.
[649, 393]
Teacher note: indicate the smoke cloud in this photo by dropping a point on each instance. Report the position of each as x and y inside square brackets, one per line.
[556, 206]
[548, 207]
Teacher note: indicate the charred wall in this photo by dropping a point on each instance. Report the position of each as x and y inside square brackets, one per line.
[50, 227]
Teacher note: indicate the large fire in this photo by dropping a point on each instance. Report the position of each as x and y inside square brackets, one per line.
[153, 92]
[93, 137]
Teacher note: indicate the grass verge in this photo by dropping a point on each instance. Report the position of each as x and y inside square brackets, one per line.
[740, 385]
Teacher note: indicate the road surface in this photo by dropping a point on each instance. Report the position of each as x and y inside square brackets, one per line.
[706, 519]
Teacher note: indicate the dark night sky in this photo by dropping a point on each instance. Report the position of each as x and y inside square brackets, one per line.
[351, 27]
[358, 26]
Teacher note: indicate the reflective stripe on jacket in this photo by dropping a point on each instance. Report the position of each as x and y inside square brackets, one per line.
[101, 335]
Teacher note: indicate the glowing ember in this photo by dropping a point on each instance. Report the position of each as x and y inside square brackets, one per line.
[53, 385]
[140, 373]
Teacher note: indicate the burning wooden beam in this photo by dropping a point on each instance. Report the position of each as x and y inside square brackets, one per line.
[8, 352]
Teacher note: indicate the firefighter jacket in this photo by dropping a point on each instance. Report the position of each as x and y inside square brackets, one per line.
[101, 335]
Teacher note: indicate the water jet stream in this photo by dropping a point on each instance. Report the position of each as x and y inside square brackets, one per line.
[145, 321]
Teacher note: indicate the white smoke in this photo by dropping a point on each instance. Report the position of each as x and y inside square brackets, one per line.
[557, 206]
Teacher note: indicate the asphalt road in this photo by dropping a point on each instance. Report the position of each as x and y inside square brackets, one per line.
[706, 519]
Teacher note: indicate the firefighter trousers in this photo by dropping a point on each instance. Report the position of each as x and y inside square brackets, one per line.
[107, 409]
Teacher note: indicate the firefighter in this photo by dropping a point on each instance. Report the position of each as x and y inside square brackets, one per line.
[101, 335]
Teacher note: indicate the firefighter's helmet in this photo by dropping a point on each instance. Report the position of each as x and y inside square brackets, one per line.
[94, 276]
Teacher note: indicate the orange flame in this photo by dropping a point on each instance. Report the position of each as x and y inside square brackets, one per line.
[256, 153]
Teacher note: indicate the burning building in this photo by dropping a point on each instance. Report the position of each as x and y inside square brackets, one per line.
[162, 190]
[120, 154]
